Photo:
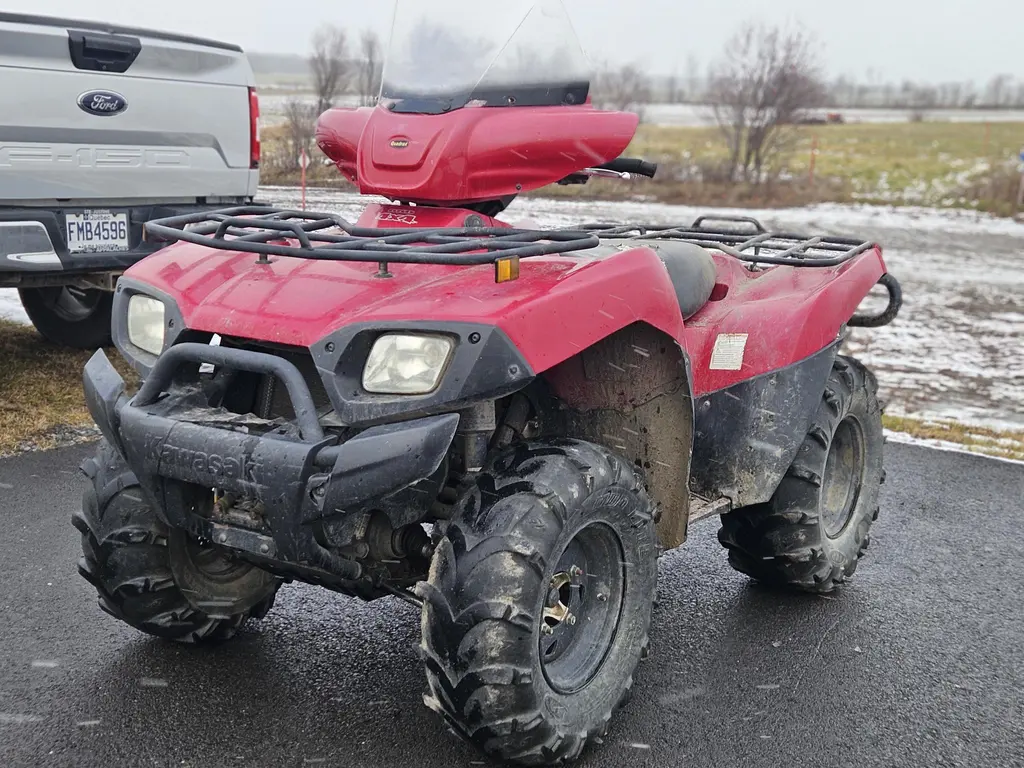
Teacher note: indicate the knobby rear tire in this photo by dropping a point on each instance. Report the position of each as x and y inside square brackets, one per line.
[790, 540]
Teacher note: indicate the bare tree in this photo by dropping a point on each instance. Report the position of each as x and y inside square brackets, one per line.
[300, 119]
[970, 97]
[330, 66]
[369, 68]
[888, 94]
[841, 92]
[626, 88]
[767, 77]
[694, 82]
[672, 92]
[997, 90]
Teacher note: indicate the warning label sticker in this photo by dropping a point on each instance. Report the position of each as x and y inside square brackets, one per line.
[729, 351]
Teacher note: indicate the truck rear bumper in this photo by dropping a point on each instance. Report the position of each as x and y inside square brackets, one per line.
[301, 483]
[33, 241]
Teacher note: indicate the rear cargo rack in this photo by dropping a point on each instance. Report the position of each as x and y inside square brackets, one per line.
[747, 240]
[267, 232]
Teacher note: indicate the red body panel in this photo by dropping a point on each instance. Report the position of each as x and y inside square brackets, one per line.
[788, 314]
[559, 306]
[399, 217]
[472, 155]
[299, 301]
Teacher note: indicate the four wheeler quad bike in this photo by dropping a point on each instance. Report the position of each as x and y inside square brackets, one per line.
[504, 427]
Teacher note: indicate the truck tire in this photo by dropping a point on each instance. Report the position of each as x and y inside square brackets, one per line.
[815, 529]
[538, 603]
[149, 576]
[70, 317]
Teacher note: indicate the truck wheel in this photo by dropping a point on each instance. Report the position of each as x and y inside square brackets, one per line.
[154, 578]
[815, 528]
[70, 317]
[538, 602]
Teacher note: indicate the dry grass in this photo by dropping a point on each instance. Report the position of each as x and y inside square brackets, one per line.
[1005, 444]
[41, 399]
[279, 168]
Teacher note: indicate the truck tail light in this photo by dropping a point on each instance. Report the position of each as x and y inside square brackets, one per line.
[254, 129]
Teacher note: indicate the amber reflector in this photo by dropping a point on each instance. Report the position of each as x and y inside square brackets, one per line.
[506, 270]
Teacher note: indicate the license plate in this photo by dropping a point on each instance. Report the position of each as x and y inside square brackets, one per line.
[97, 231]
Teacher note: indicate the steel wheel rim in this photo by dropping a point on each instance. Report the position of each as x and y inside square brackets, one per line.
[581, 609]
[843, 478]
[210, 562]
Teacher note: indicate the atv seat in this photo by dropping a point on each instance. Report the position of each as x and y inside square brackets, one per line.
[691, 270]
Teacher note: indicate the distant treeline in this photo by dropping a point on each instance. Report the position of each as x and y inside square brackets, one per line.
[1000, 92]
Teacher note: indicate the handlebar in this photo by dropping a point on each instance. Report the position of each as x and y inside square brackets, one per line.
[892, 285]
[757, 226]
[631, 165]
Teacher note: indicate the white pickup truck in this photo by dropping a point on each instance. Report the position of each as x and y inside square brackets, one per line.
[103, 128]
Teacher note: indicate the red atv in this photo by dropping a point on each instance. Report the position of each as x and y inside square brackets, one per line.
[502, 426]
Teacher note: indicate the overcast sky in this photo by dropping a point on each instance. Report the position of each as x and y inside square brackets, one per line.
[931, 40]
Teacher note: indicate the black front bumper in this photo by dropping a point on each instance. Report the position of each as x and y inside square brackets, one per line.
[302, 480]
[53, 221]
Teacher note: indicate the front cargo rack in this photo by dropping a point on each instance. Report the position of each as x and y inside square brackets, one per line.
[747, 240]
[268, 231]
[273, 232]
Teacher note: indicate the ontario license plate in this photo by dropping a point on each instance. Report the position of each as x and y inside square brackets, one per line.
[97, 231]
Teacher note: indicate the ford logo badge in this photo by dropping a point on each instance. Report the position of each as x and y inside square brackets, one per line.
[102, 103]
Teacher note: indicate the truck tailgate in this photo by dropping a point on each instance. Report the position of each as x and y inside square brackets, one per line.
[183, 134]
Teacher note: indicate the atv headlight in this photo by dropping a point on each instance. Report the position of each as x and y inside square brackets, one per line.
[406, 365]
[146, 323]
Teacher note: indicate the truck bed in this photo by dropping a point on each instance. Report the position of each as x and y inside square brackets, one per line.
[183, 135]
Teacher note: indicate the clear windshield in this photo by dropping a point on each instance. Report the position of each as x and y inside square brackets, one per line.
[448, 54]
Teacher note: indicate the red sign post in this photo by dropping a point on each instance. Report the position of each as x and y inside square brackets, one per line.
[304, 161]
[814, 155]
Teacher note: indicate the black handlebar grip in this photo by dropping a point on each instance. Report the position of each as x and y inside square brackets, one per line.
[632, 165]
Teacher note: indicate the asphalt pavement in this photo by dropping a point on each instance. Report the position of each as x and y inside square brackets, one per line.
[918, 662]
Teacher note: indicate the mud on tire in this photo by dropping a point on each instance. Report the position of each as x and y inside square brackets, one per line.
[492, 586]
[813, 532]
[131, 558]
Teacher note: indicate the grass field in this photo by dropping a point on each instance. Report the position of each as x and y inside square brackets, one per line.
[943, 164]
[926, 163]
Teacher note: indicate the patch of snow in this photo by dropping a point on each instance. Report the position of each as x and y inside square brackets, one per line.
[10, 306]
